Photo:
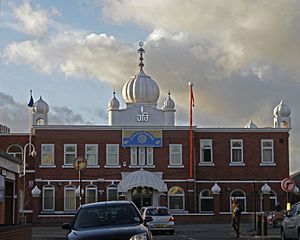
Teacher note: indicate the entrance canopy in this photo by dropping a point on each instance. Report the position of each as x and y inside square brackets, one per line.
[142, 178]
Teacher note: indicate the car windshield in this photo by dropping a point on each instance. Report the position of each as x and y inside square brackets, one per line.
[107, 215]
[157, 212]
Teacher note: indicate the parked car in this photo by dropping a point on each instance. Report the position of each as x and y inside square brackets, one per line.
[290, 227]
[162, 219]
[114, 220]
[275, 218]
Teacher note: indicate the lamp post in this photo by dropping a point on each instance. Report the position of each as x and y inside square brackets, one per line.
[33, 154]
[80, 164]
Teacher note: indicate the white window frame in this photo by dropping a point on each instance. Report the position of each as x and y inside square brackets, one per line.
[90, 188]
[49, 187]
[65, 153]
[171, 153]
[52, 152]
[149, 154]
[182, 195]
[108, 189]
[267, 148]
[91, 153]
[203, 198]
[273, 197]
[141, 156]
[133, 156]
[232, 141]
[69, 187]
[17, 154]
[202, 148]
[244, 198]
[108, 164]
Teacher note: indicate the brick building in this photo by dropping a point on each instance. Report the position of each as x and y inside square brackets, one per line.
[141, 155]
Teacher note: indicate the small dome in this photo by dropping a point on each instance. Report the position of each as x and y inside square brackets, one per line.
[169, 103]
[40, 106]
[36, 192]
[141, 89]
[216, 189]
[265, 189]
[114, 103]
[282, 110]
[251, 125]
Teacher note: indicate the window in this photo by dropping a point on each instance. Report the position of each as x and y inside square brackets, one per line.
[91, 194]
[206, 153]
[175, 154]
[236, 151]
[206, 201]
[273, 201]
[144, 156]
[47, 155]
[176, 199]
[112, 154]
[70, 153]
[15, 150]
[91, 154]
[70, 198]
[112, 192]
[48, 198]
[240, 197]
[267, 152]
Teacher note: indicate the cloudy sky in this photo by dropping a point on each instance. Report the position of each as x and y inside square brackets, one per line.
[243, 57]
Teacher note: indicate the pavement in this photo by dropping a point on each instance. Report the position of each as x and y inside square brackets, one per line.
[51, 232]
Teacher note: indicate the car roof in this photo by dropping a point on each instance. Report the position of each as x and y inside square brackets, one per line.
[106, 203]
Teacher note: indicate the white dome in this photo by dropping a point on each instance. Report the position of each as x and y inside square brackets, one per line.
[282, 110]
[40, 106]
[265, 189]
[36, 192]
[251, 125]
[114, 103]
[141, 89]
[216, 189]
[169, 104]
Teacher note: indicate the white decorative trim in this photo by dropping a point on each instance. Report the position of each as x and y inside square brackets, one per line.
[26, 211]
[267, 164]
[67, 166]
[92, 166]
[62, 215]
[175, 166]
[112, 166]
[237, 164]
[30, 171]
[141, 166]
[47, 166]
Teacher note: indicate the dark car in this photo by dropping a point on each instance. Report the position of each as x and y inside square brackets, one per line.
[113, 220]
[290, 226]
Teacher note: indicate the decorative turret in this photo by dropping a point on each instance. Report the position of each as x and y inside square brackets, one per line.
[250, 124]
[282, 117]
[40, 112]
[114, 103]
[169, 104]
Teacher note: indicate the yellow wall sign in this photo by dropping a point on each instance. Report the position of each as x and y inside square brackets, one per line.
[142, 138]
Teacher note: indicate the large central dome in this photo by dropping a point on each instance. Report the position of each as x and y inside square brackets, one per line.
[141, 89]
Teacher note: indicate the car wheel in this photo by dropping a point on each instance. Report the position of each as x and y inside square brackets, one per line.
[283, 235]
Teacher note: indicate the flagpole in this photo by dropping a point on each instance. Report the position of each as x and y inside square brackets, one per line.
[191, 128]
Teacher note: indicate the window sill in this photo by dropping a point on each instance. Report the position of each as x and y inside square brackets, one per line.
[92, 166]
[47, 166]
[267, 164]
[67, 166]
[175, 166]
[206, 164]
[141, 166]
[112, 166]
[237, 164]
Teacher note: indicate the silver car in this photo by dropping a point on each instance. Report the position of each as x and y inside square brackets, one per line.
[290, 227]
[162, 219]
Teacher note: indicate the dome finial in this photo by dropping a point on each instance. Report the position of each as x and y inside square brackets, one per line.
[169, 93]
[114, 93]
[141, 51]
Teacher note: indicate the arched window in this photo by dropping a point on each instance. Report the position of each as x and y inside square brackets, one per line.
[91, 194]
[176, 199]
[240, 197]
[112, 192]
[15, 150]
[206, 201]
[273, 201]
[69, 198]
[48, 198]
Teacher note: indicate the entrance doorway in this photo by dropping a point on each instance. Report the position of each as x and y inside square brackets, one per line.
[142, 197]
[9, 202]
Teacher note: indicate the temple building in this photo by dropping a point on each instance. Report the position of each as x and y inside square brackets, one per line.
[143, 156]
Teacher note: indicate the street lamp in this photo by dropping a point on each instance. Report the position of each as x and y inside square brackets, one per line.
[33, 154]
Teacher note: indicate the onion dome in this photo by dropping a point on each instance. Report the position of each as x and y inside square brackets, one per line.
[265, 189]
[114, 103]
[40, 106]
[36, 192]
[141, 88]
[250, 124]
[216, 189]
[168, 103]
[282, 110]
